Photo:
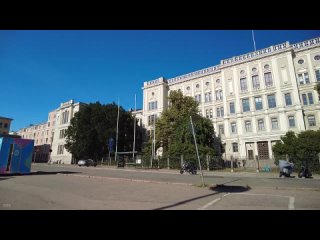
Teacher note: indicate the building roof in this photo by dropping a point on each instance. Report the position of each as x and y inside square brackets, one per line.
[6, 118]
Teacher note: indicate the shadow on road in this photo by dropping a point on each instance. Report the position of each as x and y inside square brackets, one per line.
[229, 189]
[4, 178]
[36, 173]
[186, 201]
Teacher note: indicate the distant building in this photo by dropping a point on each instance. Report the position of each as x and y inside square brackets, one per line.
[63, 116]
[50, 135]
[5, 125]
[252, 99]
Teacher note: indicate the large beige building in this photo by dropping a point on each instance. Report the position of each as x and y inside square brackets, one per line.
[51, 133]
[252, 99]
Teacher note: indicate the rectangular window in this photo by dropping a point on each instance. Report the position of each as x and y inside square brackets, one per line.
[307, 98]
[207, 97]
[151, 119]
[310, 97]
[268, 79]
[260, 125]
[312, 121]
[220, 111]
[198, 98]
[248, 126]
[272, 101]
[318, 75]
[221, 130]
[306, 77]
[303, 78]
[245, 105]
[211, 113]
[60, 149]
[243, 85]
[232, 109]
[153, 105]
[219, 95]
[207, 113]
[304, 99]
[255, 82]
[233, 127]
[287, 97]
[274, 123]
[291, 121]
[235, 147]
[258, 103]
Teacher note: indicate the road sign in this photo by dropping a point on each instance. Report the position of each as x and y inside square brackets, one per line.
[110, 144]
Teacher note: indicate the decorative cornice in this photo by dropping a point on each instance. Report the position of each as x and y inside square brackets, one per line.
[236, 60]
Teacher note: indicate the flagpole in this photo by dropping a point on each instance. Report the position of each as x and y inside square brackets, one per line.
[254, 42]
[134, 127]
[117, 134]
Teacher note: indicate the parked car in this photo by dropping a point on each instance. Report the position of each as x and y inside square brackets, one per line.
[88, 162]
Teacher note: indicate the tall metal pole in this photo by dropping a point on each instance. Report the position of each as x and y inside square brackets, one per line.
[134, 127]
[154, 138]
[117, 133]
[195, 142]
[254, 42]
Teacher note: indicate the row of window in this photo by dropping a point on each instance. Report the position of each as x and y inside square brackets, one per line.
[62, 133]
[255, 82]
[261, 124]
[60, 149]
[65, 117]
[153, 105]
[304, 77]
[4, 125]
[152, 119]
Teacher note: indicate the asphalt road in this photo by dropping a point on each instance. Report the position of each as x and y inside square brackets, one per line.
[73, 187]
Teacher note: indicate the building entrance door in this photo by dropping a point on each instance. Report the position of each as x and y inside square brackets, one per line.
[263, 150]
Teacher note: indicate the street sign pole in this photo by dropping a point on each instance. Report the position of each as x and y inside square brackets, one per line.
[195, 142]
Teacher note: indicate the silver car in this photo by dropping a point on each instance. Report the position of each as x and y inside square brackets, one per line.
[88, 162]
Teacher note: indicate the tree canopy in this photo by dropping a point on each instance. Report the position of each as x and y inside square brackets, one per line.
[173, 129]
[301, 149]
[92, 127]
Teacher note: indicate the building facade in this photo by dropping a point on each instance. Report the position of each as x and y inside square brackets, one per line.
[63, 116]
[5, 125]
[252, 99]
[49, 137]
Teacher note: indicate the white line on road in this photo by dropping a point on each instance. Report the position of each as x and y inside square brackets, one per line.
[212, 202]
[291, 198]
[291, 203]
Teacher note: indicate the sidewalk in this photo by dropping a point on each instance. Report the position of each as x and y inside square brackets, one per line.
[221, 173]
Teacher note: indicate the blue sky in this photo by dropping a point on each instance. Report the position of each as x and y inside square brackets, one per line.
[40, 69]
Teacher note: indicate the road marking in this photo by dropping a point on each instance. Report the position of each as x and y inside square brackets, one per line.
[291, 203]
[291, 198]
[212, 202]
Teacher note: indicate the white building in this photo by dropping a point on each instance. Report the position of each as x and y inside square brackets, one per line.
[252, 99]
[52, 132]
[63, 116]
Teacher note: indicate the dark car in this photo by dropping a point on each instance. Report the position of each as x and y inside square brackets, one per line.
[88, 162]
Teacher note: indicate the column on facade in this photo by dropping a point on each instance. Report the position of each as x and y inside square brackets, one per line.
[311, 71]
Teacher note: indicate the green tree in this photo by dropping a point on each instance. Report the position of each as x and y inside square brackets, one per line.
[302, 148]
[93, 125]
[173, 129]
[317, 88]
